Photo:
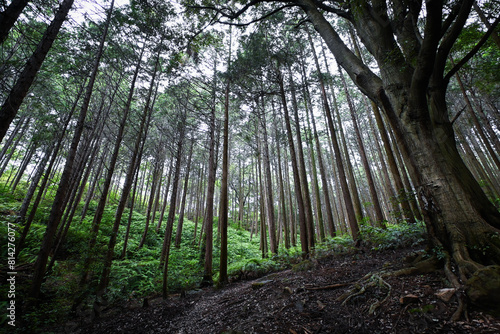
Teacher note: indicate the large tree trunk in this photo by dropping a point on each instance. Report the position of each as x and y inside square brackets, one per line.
[167, 240]
[302, 167]
[180, 221]
[9, 17]
[208, 219]
[458, 215]
[295, 171]
[224, 200]
[62, 190]
[96, 222]
[33, 65]
[269, 186]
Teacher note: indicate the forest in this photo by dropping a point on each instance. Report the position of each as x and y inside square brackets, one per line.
[156, 155]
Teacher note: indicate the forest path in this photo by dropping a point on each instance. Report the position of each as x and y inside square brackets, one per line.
[305, 300]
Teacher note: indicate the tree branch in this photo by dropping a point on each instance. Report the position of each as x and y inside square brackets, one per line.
[232, 14]
[452, 35]
[258, 19]
[472, 52]
[339, 12]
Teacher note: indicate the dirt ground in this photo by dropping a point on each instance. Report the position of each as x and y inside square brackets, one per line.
[304, 300]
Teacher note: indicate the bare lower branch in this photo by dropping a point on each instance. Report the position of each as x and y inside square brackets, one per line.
[472, 52]
[258, 19]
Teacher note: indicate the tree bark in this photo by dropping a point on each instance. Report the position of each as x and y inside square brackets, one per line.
[9, 17]
[57, 207]
[21, 87]
[96, 222]
[302, 170]
[208, 220]
[223, 214]
[379, 217]
[304, 240]
[268, 180]
[165, 252]
[180, 222]
[456, 211]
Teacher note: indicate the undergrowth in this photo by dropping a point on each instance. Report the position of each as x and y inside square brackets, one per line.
[393, 236]
[138, 274]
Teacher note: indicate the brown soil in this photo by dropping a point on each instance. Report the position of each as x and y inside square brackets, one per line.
[304, 300]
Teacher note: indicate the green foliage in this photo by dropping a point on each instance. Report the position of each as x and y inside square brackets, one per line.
[138, 274]
[439, 252]
[338, 244]
[394, 236]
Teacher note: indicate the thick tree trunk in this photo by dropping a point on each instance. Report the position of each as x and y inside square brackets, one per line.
[458, 215]
[9, 17]
[27, 76]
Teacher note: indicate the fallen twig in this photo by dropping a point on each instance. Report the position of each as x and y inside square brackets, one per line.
[327, 287]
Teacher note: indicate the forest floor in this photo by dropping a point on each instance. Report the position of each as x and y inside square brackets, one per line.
[304, 299]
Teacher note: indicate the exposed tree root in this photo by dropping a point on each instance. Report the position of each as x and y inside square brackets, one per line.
[327, 287]
[419, 267]
[370, 280]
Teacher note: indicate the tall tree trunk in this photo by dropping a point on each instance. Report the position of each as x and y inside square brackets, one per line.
[165, 196]
[180, 222]
[351, 216]
[320, 226]
[96, 222]
[18, 93]
[9, 17]
[129, 178]
[379, 217]
[323, 175]
[30, 151]
[208, 220]
[304, 240]
[282, 191]
[326, 194]
[268, 180]
[165, 252]
[200, 200]
[57, 207]
[262, 201]
[131, 203]
[154, 184]
[302, 169]
[223, 214]
[348, 166]
[12, 142]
